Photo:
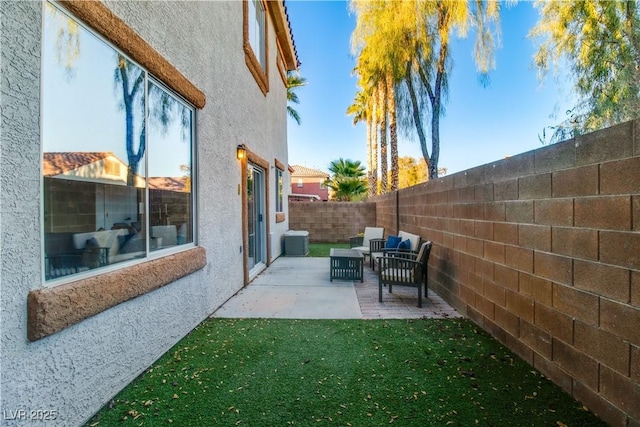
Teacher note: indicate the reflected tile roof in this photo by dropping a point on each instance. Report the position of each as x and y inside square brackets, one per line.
[58, 163]
[177, 184]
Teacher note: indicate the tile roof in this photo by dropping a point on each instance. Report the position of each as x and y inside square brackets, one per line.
[58, 163]
[177, 184]
[305, 171]
[293, 42]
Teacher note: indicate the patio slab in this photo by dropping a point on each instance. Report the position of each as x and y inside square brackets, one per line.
[299, 288]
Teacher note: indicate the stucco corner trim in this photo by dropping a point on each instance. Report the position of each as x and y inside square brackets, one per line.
[50, 310]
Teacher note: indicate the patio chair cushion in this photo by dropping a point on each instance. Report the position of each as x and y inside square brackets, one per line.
[404, 274]
[369, 233]
[372, 233]
[413, 238]
[405, 245]
[392, 242]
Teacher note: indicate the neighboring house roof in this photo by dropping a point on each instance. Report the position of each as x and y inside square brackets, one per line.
[303, 171]
[177, 184]
[58, 163]
[70, 165]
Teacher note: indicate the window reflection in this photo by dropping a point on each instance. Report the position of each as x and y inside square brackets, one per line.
[96, 142]
[170, 195]
[257, 31]
[280, 193]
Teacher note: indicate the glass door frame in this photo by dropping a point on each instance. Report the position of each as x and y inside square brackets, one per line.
[256, 247]
[248, 163]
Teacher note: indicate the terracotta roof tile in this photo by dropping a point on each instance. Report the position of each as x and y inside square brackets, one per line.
[305, 171]
[58, 163]
[177, 184]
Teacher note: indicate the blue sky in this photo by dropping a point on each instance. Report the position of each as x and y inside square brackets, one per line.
[481, 124]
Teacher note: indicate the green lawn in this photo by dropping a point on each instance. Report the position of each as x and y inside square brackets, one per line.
[322, 249]
[265, 372]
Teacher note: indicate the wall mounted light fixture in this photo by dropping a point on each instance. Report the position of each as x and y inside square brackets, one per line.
[241, 152]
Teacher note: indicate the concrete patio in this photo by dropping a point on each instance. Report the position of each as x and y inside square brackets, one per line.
[299, 288]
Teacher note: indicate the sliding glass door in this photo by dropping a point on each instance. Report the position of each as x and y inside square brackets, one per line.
[256, 217]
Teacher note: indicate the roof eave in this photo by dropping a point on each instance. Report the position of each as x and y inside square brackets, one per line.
[280, 19]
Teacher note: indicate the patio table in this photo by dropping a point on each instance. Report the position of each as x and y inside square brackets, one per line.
[346, 264]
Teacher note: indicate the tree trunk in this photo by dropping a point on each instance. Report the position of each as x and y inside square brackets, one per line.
[374, 147]
[415, 111]
[435, 113]
[393, 132]
[369, 155]
[128, 96]
[384, 177]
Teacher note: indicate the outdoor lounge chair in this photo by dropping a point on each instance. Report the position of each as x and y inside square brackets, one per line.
[378, 247]
[405, 270]
[361, 243]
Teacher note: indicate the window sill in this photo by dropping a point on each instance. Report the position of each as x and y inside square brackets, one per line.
[51, 310]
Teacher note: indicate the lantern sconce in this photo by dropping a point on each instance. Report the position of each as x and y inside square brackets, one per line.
[241, 152]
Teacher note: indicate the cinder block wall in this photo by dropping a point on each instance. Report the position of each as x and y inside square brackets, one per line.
[333, 221]
[543, 251]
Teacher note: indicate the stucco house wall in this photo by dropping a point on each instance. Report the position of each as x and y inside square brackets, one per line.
[78, 369]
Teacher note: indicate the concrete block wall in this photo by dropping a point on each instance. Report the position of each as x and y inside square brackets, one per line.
[331, 222]
[543, 251]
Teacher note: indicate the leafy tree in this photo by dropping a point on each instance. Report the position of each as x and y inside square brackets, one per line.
[410, 42]
[600, 41]
[294, 81]
[412, 171]
[378, 77]
[347, 179]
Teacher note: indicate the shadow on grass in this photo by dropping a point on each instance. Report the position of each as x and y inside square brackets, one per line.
[266, 372]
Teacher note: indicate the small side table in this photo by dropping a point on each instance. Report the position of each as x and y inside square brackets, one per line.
[346, 264]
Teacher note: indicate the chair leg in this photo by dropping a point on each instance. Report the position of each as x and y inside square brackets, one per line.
[426, 283]
[379, 290]
[419, 296]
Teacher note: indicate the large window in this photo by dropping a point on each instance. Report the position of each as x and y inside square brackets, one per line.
[280, 190]
[117, 155]
[257, 31]
[255, 42]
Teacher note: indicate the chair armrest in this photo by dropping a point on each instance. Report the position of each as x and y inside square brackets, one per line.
[394, 259]
[356, 241]
[376, 245]
[404, 253]
[396, 262]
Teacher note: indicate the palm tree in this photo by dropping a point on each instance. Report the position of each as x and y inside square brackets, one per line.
[393, 132]
[347, 179]
[380, 51]
[410, 41]
[382, 102]
[294, 80]
[361, 112]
